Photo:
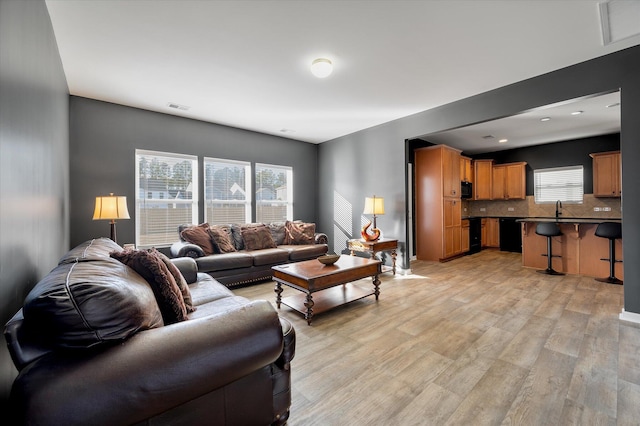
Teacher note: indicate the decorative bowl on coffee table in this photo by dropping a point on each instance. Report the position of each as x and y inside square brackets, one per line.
[329, 259]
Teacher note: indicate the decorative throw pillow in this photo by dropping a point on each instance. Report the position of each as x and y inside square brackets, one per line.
[152, 268]
[221, 236]
[257, 237]
[277, 232]
[199, 235]
[299, 232]
[177, 276]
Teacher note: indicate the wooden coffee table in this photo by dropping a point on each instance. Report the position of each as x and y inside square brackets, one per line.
[330, 283]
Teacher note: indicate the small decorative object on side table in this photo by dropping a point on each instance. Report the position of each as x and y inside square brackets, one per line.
[373, 247]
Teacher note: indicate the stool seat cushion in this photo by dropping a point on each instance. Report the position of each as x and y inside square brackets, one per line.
[612, 230]
[548, 229]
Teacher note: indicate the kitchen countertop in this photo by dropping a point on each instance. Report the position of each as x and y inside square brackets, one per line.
[569, 219]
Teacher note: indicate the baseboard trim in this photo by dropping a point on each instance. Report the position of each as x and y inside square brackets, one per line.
[629, 316]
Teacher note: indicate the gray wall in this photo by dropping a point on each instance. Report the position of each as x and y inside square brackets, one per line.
[374, 160]
[104, 138]
[34, 159]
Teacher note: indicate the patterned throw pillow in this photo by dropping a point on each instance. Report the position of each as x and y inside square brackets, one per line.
[152, 268]
[299, 232]
[199, 235]
[257, 237]
[177, 276]
[222, 238]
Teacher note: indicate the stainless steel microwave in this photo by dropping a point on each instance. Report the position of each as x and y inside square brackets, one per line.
[466, 190]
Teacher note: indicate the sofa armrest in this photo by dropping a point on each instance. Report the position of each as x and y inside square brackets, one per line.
[187, 267]
[149, 373]
[185, 249]
[321, 238]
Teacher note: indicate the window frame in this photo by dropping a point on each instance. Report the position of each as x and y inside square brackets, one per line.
[248, 190]
[171, 229]
[288, 202]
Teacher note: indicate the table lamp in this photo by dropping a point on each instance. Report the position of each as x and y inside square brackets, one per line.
[111, 207]
[373, 206]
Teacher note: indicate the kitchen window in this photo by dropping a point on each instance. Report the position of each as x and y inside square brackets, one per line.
[565, 184]
[166, 196]
[227, 191]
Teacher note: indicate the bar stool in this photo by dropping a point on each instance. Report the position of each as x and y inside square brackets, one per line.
[612, 231]
[549, 230]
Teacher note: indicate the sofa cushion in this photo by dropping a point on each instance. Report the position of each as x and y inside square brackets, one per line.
[221, 235]
[220, 262]
[207, 289]
[154, 270]
[299, 232]
[236, 233]
[270, 256]
[200, 236]
[257, 237]
[277, 232]
[179, 279]
[304, 252]
[86, 303]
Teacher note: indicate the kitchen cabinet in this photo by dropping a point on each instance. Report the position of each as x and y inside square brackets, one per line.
[493, 232]
[482, 179]
[465, 235]
[438, 204]
[607, 177]
[508, 181]
[483, 232]
[466, 169]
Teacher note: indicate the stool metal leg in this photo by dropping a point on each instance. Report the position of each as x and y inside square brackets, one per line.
[611, 279]
[549, 270]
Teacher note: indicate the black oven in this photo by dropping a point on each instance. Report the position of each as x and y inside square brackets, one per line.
[466, 190]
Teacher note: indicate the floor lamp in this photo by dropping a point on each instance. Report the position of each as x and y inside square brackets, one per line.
[111, 207]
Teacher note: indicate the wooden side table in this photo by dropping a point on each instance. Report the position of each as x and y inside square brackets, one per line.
[373, 247]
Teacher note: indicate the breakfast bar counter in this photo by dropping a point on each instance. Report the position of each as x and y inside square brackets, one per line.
[580, 249]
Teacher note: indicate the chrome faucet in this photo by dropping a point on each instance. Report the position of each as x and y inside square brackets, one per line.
[558, 207]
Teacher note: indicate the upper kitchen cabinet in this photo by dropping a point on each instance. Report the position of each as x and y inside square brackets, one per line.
[607, 176]
[482, 179]
[466, 169]
[508, 181]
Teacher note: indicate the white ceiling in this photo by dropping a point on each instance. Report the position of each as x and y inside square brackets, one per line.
[246, 63]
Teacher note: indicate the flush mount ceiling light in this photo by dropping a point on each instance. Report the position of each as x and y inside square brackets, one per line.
[577, 112]
[545, 119]
[503, 141]
[321, 67]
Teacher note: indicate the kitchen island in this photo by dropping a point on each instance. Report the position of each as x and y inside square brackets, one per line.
[578, 245]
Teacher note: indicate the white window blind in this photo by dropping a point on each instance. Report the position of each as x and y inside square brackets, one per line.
[274, 193]
[227, 191]
[166, 196]
[561, 183]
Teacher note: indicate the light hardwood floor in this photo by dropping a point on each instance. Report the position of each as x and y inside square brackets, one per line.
[479, 340]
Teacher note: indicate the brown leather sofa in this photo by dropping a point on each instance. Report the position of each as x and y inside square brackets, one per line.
[92, 348]
[245, 266]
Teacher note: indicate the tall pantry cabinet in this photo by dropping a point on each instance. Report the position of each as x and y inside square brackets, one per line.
[438, 204]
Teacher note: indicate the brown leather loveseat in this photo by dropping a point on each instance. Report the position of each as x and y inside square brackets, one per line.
[93, 345]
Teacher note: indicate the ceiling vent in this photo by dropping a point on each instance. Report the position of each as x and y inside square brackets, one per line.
[619, 20]
[177, 106]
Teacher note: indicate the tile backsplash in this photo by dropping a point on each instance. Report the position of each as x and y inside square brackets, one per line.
[528, 208]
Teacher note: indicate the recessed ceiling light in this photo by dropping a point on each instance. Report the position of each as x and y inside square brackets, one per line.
[613, 105]
[577, 112]
[503, 141]
[545, 119]
[321, 67]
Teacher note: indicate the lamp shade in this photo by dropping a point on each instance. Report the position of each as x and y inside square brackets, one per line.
[111, 207]
[373, 205]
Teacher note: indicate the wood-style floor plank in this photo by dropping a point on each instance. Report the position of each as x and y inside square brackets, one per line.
[479, 340]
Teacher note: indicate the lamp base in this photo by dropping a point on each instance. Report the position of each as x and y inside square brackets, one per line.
[370, 237]
[113, 231]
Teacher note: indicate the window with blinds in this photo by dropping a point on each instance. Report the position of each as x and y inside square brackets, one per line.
[274, 193]
[561, 183]
[166, 196]
[227, 191]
